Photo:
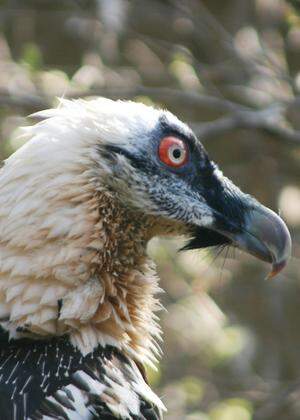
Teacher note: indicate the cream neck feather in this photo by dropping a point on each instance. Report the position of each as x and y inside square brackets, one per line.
[72, 260]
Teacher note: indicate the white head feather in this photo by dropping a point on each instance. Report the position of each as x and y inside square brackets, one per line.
[51, 234]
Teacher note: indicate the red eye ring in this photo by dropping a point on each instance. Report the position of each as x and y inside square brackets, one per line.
[173, 152]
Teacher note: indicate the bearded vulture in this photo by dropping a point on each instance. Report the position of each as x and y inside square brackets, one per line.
[79, 202]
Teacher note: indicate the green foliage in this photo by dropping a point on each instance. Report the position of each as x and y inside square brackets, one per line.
[231, 409]
[230, 343]
[32, 57]
[194, 390]
[154, 376]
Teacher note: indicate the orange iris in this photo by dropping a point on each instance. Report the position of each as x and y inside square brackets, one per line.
[173, 152]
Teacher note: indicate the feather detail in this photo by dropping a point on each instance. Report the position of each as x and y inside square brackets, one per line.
[72, 257]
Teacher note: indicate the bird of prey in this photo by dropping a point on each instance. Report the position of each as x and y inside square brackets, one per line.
[79, 202]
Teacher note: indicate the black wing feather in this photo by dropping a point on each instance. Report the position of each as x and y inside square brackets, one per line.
[53, 379]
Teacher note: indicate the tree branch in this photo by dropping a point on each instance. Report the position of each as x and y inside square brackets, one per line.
[163, 94]
[27, 102]
[269, 120]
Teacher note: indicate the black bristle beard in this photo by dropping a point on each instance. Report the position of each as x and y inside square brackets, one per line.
[204, 238]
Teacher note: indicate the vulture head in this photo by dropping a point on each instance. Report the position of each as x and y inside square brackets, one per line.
[79, 202]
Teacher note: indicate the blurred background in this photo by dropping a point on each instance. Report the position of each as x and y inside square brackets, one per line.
[231, 69]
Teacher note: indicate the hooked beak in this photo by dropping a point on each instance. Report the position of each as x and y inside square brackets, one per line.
[266, 236]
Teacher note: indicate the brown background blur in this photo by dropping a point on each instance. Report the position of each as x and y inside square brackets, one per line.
[231, 69]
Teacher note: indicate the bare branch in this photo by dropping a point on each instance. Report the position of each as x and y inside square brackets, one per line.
[269, 120]
[35, 102]
[163, 94]
[26, 102]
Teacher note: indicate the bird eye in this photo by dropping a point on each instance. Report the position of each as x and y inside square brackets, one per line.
[173, 152]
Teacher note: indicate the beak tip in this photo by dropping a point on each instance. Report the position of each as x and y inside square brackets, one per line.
[275, 242]
[277, 267]
[267, 238]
